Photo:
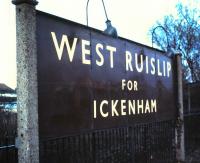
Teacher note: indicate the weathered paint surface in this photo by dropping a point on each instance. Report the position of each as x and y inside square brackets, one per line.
[88, 80]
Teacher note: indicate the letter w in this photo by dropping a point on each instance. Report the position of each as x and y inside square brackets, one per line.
[59, 50]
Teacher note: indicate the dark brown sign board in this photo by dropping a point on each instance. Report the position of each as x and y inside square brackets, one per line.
[89, 81]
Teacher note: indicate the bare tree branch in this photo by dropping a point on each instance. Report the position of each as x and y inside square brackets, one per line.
[183, 34]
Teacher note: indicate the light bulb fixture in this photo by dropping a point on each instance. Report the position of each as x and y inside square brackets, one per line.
[110, 30]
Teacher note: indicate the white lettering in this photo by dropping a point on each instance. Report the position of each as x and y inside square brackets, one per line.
[131, 107]
[64, 41]
[168, 68]
[104, 102]
[123, 107]
[164, 69]
[140, 106]
[112, 50]
[113, 107]
[158, 66]
[128, 61]
[153, 66]
[153, 106]
[123, 83]
[85, 52]
[131, 85]
[95, 109]
[137, 63]
[147, 108]
[147, 65]
[98, 47]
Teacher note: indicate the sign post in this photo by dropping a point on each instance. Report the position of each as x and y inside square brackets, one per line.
[27, 94]
[180, 148]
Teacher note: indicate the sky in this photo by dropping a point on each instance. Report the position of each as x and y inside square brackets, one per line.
[132, 19]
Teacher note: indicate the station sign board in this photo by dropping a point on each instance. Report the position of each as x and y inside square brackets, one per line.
[88, 80]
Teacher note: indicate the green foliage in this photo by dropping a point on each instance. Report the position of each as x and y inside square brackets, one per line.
[181, 33]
